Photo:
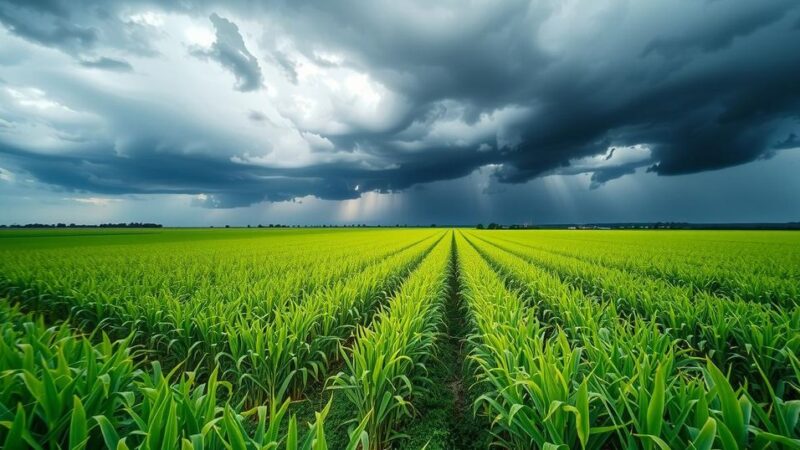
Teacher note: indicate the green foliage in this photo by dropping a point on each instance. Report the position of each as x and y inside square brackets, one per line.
[62, 391]
[386, 364]
[205, 340]
[640, 379]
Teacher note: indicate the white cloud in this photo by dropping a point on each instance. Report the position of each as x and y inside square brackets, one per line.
[148, 18]
[35, 98]
[199, 36]
[317, 142]
[336, 100]
[451, 128]
[613, 157]
[96, 201]
[6, 175]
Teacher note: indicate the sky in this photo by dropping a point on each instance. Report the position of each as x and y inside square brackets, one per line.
[197, 113]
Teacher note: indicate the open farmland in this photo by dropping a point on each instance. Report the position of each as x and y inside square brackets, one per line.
[399, 338]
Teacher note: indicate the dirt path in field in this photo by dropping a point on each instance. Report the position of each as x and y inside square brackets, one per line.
[456, 343]
[445, 419]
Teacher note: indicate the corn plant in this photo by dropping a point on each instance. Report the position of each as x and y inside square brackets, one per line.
[651, 399]
[731, 332]
[386, 363]
[51, 380]
[61, 391]
[184, 339]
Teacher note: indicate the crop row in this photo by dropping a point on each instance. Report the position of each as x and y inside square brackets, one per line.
[591, 377]
[267, 352]
[567, 348]
[564, 370]
[192, 278]
[62, 390]
[265, 357]
[385, 366]
[765, 272]
[751, 337]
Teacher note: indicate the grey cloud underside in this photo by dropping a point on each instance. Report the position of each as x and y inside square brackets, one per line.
[76, 28]
[791, 141]
[107, 64]
[706, 98]
[705, 105]
[705, 85]
[55, 32]
[230, 51]
[226, 184]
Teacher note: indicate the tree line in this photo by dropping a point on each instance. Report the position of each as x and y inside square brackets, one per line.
[73, 225]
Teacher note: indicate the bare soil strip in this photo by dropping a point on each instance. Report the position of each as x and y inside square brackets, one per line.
[445, 419]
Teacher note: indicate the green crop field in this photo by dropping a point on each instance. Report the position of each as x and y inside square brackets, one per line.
[399, 338]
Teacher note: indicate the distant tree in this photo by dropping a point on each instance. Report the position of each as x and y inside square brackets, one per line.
[433, 225]
[493, 226]
[480, 226]
[227, 226]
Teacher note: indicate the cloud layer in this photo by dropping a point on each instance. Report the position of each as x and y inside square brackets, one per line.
[238, 103]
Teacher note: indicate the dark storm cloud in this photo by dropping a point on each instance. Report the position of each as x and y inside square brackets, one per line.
[47, 24]
[76, 28]
[704, 95]
[143, 169]
[719, 34]
[226, 184]
[532, 88]
[791, 141]
[230, 51]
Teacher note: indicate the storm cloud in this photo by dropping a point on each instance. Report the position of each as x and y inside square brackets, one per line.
[336, 99]
[230, 51]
